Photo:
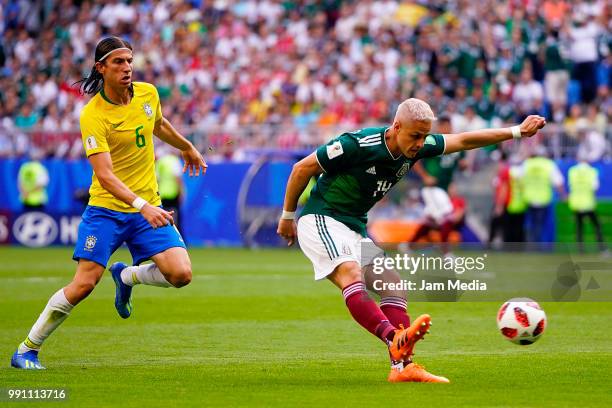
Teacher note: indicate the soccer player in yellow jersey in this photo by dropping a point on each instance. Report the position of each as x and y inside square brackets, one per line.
[117, 127]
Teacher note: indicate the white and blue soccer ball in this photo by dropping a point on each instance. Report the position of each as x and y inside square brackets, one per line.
[521, 321]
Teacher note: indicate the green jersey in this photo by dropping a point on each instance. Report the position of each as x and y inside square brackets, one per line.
[443, 168]
[358, 171]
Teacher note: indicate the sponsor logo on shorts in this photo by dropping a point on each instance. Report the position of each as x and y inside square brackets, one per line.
[90, 242]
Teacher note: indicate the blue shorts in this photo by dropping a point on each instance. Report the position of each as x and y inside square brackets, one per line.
[102, 231]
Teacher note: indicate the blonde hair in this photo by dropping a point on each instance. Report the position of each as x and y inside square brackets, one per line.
[414, 109]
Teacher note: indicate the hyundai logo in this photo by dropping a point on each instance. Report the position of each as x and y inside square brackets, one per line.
[35, 229]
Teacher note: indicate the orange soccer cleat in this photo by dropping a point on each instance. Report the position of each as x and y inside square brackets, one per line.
[403, 342]
[414, 373]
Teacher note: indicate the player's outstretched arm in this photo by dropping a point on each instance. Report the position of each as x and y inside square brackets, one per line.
[193, 159]
[479, 138]
[300, 175]
[103, 168]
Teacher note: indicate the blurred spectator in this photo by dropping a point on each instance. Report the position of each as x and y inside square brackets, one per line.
[540, 176]
[514, 225]
[472, 120]
[527, 95]
[583, 34]
[33, 179]
[170, 181]
[592, 145]
[596, 119]
[52, 122]
[555, 11]
[484, 108]
[574, 121]
[6, 144]
[557, 76]
[583, 182]
[45, 90]
[27, 118]
[501, 198]
[604, 74]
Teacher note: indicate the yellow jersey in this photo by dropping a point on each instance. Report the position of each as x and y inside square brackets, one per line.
[126, 132]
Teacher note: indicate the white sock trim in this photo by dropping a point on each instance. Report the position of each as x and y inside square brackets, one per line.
[55, 312]
[148, 274]
[394, 301]
[352, 289]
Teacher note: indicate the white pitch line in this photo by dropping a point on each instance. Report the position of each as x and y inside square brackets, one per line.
[34, 279]
[203, 276]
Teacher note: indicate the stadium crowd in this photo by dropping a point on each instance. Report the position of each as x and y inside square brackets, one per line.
[283, 74]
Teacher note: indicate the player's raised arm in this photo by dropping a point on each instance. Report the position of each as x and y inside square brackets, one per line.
[192, 157]
[300, 175]
[485, 137]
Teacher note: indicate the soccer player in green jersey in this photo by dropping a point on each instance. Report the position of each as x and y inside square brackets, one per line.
[356, 170]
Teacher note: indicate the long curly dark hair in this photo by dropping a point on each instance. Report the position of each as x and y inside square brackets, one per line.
[94, 82]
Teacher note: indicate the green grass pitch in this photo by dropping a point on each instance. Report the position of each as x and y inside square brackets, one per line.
[254, 329]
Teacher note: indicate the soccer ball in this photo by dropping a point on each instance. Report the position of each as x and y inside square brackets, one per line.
[521, 320]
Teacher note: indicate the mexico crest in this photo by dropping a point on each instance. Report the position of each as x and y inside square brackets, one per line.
[403, 170]
[147, 110]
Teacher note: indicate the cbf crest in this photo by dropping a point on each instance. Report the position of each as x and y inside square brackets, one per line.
[403, 170]
[90, 242]
[147, 110]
